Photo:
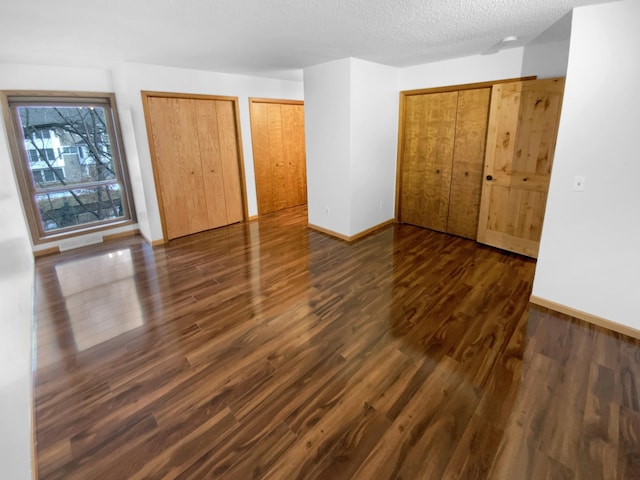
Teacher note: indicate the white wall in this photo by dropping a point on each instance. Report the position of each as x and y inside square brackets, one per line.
[478, 68]
[589, 256]
[16, 287]
[327, 118]
[374, 140]
[546, 60]
[129, 79]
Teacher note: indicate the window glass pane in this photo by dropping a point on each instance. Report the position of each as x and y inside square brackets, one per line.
[67, 145]
[80, 206]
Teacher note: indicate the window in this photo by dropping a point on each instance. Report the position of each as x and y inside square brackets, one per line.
[70, 164]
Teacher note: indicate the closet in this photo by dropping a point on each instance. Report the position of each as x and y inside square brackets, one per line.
[277, 134]
[196, 156]
[476, 160]
[441, 161]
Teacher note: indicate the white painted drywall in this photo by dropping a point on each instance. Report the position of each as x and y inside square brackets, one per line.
[546, 60]
[478, 68]
[589, 256]
[327, 118]
[374, 140]
[16, 307]
[129, 79]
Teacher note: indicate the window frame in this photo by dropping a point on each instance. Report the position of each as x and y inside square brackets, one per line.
[11, 100]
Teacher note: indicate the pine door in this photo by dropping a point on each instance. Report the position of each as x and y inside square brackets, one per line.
[521, 138]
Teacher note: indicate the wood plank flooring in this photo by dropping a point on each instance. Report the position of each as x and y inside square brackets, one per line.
[268, 350]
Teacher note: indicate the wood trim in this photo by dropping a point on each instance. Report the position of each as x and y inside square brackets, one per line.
[587, 317]
[275, 100]
[252, 218]
[46, 251]
[326, 231]
[192, 96]
[465, 86]
[371, 230]
[355, 237]
[156, 243]
[401, 126]
[243, 178]
[119, 235]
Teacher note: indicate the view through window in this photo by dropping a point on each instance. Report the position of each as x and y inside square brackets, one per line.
[71, 163]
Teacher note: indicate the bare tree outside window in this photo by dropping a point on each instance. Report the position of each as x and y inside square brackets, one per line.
[70, 157]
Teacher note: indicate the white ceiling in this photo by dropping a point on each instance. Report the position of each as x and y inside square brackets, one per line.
[265, 37]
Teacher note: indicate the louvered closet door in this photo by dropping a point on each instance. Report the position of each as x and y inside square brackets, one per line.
[429, 134]
[196, 162]
[521, 139]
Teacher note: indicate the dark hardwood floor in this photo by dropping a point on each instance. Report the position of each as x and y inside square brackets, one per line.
[268, 350]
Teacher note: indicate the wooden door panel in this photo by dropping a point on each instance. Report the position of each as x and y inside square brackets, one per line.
[522, 131]
[277, 129]
[262, 164]
[229, 155]
[212, 172]
[294, 153]
[428, 157]
[188, 169]
[468, 162]
[279, 183]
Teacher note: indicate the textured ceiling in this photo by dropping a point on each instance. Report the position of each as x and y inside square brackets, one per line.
[268, 37]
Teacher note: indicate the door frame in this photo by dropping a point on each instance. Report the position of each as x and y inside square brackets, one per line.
[401, 127]
[146, 94]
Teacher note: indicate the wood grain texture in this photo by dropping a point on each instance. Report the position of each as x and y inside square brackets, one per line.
[468, 162]
[277, 130]
[522, 131]
[268, 350]
[194, 149]
[429, 128]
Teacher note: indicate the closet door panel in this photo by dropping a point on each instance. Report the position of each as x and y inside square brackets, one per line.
[468, 161]
[229, 155]
[294, 153]
[212, 172]
[261, 158]
[279, 180]
[428, 155]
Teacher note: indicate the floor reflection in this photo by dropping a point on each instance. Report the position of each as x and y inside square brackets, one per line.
[100, 297]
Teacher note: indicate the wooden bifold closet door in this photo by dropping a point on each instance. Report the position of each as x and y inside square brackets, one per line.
[442, 158]
[277, 133]
[195, 151]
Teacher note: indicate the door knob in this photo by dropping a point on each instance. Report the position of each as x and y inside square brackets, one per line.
[489, 177]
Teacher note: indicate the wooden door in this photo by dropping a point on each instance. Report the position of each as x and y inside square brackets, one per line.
[277, 132]
[468, 161]
[197, 166]
[521, 138]
[428, 143]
